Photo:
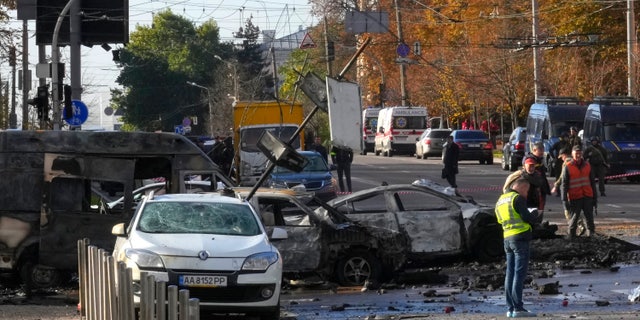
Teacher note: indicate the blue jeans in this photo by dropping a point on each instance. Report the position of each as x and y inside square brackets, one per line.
[517, 252]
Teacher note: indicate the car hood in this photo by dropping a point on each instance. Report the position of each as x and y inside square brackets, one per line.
[189, 245]
[309, 176]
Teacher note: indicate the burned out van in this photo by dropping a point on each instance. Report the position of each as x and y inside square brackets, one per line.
[56, 186]
[616, 121]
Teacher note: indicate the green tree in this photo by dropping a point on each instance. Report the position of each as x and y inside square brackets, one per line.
[157, 64]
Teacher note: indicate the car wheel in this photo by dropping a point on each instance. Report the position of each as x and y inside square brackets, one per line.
[489, 161]
[424, 156]
[376, 152]
[419, 156]
[36, 276]
[505, 163]
[481, 161]
[356, 267]
[490, 245]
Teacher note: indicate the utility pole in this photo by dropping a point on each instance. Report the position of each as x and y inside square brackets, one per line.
[631, 44]
[403, 90]
[328, 54]
[536, 49]
[13, 117]
[55, 59]
[26, 79]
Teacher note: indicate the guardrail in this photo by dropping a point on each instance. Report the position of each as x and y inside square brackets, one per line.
[106, 291]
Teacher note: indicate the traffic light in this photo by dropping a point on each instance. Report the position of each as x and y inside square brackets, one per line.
[41, 102]
[68, 105]
[331, 52]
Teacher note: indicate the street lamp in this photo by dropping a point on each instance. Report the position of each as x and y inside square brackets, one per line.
[210, 104]
[235, 75]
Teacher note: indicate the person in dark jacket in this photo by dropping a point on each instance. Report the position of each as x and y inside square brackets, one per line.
[342, 157]
[537, 154]
[319, 148]
[516, 219]
[597, 156]
[450, 154]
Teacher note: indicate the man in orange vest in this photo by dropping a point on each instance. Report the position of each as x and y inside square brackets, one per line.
[578, 183]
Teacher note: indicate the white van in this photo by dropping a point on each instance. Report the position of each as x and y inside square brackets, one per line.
[369, 126]
[398, 128]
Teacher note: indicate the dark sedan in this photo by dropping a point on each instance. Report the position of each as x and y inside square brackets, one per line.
[474, 145]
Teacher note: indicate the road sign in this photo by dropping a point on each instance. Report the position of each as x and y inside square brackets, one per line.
[403, 50]
[79, 115]
[307, 42]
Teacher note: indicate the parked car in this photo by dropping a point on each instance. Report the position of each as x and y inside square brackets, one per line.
[513, 150]
[474, 145]
[430, 143]
[316, 177]
[325, 242]
[212, 245]
[436, 221]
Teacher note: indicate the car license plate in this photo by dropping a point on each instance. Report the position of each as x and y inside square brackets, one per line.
[401, 138]
[474, 145]
[203, 281]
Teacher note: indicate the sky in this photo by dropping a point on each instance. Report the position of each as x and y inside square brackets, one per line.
[99, 71]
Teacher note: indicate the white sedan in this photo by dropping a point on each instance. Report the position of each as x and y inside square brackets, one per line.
[210, 244]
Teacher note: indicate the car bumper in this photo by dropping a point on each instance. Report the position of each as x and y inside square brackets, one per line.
[244, 292]
[475, 155]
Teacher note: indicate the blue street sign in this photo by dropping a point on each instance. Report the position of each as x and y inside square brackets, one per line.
[403, 50]
[79, 115]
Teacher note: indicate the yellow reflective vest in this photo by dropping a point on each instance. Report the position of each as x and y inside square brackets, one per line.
[510, 220]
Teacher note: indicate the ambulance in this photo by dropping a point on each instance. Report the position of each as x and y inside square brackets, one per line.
[398, 128]
[369, 125]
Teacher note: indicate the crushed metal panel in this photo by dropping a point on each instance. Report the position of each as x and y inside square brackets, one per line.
[432, 231]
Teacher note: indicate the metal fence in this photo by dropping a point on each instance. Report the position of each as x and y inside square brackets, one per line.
[106, 291]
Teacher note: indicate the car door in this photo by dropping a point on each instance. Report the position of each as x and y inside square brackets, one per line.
[433, 224]
[370, 210]
[302, 250]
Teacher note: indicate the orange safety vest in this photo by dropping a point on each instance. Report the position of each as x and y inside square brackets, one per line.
[579, 181]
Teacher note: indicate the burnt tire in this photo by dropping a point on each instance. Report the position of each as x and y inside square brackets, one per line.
[356, 267]
[36, 276]
[489, 247]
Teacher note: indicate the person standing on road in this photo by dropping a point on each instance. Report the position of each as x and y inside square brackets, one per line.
[342, 157]
[556, 149]
[574, 139]
[597, 156]
[565, 155]
[537, 154]
[577, 188]
[529, 173]
[319, 148]
[512, 213]
[450, 154]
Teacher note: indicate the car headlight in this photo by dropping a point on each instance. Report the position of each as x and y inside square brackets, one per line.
[144, 258]
[260, 261]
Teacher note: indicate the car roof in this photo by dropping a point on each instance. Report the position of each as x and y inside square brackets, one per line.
[201, 197]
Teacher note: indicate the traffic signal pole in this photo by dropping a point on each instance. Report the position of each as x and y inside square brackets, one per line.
[55, 59]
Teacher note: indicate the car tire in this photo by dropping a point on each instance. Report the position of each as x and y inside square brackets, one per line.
[481, 161]
[489, 247]
[419, 156]
[35, 276]
[376, 152]
[505, 163]
[424, 156]
[356, 267]
[489, 161]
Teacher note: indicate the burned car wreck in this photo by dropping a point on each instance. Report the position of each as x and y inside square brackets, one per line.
[436, 221]
[324, 242]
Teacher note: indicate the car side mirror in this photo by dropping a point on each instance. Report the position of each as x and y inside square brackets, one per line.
[278, 234]
[333, 167]
[118, 230]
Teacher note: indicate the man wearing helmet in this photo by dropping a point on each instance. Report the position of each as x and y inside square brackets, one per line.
[574, 139]
[597, 156]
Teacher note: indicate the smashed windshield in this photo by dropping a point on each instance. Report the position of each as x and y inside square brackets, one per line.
[198, 217]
